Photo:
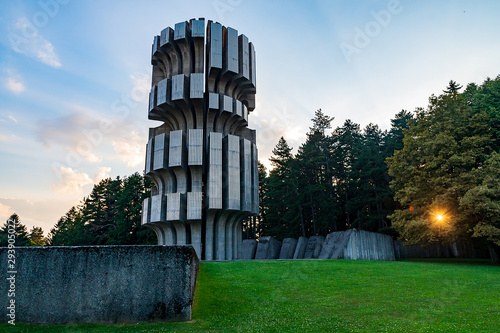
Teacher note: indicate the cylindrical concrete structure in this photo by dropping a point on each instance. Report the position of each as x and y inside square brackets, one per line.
[203, 157]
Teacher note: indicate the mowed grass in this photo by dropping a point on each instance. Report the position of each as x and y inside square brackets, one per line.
[332, 296]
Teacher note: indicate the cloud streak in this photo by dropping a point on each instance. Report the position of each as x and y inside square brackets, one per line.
[14, 85]
[43, 213]
[102, 173]
[26, 40]
[130, 149]
[71, 181]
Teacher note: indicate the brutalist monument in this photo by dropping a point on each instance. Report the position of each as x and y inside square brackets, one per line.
[202, 158]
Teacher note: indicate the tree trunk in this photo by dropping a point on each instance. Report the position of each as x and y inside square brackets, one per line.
[312, 212]
[347, 211]
[301, 214]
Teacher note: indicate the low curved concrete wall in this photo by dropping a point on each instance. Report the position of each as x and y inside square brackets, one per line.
[100, 284]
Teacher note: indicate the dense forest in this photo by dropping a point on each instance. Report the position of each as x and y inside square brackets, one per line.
[433, 176]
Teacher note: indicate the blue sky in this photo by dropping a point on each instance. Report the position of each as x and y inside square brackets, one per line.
[71, 69]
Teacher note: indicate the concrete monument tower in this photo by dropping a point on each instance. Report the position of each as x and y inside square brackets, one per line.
[202, 158]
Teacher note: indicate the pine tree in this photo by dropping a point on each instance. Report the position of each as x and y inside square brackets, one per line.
[314, 165]
[284, 212]
[21, 232]
[36, 236]
[345, 139]
[453, 87]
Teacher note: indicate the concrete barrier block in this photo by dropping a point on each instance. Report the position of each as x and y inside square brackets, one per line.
[268, 248]
[288, 248]
[103, 284]
[248, 249]
[300, 249]
[314, 246]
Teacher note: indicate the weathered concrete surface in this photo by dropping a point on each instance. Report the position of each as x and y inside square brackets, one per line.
[314, 246]
[300, 249]
[335, 242]
[288, 248]
[248, 249]
[101, 284]
[268, 248]
[365, 245]
[357, 244]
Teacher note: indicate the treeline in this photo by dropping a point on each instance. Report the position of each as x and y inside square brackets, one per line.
[434, 176]
[110, 215]
[337, 180]
[22, 237]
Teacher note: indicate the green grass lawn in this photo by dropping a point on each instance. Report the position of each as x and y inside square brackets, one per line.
[333, 296]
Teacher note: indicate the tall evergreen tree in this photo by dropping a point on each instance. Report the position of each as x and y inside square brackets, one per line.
[453, 87]
[314, 165]
[345, 139]
[21, 232]
[36, 236]
[284, 212]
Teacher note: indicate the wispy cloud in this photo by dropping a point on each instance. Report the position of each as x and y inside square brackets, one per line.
[141, 88]
[6, 138]
[130, 149]
[102, 173]
[12, 118]
[43, 213]
[92, 158]
[5, 211]
[71, 181]
[66, 129]
[15, 85]
[36, 46]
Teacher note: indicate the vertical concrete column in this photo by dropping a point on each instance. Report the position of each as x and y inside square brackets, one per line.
[195, 197]
[176, 214]
[214, 54]
[246, 175]
[231, 192]
[214, 190]
[177, 159]
[255, 180]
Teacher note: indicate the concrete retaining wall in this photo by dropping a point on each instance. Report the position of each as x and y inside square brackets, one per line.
[358, 245]
[101, 284]
[365, 245]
